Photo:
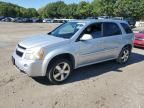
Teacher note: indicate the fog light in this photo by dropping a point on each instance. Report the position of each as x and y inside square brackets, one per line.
[25, 65]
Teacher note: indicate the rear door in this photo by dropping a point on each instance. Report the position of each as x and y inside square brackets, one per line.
[112, 39]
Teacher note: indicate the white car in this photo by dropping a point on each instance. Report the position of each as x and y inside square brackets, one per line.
[72, 45]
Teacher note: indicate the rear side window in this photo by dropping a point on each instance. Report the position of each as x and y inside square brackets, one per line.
[126, 28]
[111, 29]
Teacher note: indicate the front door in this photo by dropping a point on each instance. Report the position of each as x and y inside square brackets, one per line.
[91, 50]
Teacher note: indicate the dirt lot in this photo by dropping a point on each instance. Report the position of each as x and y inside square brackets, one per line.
[104, 85]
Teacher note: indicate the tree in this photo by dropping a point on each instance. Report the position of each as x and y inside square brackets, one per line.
[84, 9]
[61, 10]
[121, 8]
[72, 11]
[103, 7]
[54, 10]
[129, 8]
[11, 10]
[31, 12]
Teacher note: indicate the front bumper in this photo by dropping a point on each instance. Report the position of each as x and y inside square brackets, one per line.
[30, 67]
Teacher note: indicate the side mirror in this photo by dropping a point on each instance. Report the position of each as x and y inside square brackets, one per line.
[86, 37]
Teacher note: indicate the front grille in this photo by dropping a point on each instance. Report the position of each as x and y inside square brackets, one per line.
[20, 54]
[21, 47]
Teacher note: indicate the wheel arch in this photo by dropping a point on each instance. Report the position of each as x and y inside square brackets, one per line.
[67, 56]
[129, 46]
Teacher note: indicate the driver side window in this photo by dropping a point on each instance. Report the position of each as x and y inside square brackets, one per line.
[95, 30]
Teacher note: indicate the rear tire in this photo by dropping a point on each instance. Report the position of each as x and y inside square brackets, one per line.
[59, 70]
[124, 55]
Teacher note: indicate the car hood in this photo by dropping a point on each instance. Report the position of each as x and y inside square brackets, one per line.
[40, 40]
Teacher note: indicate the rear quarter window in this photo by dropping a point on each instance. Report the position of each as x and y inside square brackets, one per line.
[126, 28]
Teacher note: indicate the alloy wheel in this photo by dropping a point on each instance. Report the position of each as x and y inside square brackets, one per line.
[61, 71]
[125, 55]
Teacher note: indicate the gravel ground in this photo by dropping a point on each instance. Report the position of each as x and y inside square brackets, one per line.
[104, 85]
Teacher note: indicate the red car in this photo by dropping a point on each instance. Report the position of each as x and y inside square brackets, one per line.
[139, 39]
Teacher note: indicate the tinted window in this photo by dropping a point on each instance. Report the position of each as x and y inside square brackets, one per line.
[126, 28]
[95, 30]
[111, 29]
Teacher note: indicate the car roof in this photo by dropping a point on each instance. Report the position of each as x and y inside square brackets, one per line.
[98, 20]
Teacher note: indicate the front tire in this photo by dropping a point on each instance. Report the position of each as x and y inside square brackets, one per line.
[124, 55]
[59, 70]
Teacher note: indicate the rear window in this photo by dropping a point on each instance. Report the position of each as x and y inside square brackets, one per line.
[126, 28]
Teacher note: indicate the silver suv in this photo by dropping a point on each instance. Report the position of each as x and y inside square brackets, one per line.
[72, 45]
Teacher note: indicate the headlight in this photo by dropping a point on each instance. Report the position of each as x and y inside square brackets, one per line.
[36, 54]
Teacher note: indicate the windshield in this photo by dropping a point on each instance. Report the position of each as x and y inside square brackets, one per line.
[66, 30]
